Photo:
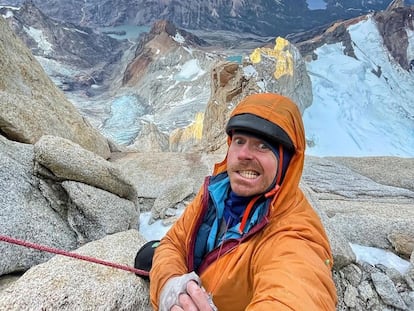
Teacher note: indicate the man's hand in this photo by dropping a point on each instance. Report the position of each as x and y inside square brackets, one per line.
[196, 299]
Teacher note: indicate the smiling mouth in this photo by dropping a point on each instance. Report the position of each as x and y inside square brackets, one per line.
[249, 174]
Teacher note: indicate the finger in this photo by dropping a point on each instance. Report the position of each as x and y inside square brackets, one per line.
[198, 296]
[176, 308]
[187, 303]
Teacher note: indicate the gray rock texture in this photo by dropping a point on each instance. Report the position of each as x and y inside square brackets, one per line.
[95, 213]
[68, 160]
[65, 283]
[25, 212]
[58, 210]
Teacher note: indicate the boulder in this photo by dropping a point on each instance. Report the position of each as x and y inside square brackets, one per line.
[60, 211]
[94, 213]
[66, 160]
[170, 197]
[24, 212]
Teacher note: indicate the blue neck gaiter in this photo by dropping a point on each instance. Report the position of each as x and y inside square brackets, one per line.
[234, 207]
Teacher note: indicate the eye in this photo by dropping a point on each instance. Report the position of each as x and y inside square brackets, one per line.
[238, 140]
[263, 146]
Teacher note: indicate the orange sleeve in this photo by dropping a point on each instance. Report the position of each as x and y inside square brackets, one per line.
[170, 258]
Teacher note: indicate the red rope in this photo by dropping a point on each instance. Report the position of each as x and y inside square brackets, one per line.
[73, 255]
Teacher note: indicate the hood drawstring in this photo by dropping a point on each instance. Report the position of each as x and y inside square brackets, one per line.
[247, 212]
[280, 167]
[273, 192]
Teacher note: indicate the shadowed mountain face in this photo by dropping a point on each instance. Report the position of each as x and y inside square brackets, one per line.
[261, 17]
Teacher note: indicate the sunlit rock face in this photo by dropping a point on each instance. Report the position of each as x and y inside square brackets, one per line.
[264, 17]
[279, 68]
[189, 88]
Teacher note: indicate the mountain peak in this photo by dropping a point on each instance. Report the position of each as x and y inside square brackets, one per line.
[163, 26]
[166, 26]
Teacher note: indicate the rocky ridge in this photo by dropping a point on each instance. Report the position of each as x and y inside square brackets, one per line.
[256, 16]
[392, 24]
[163, 59]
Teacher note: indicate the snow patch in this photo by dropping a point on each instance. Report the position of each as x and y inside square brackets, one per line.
[14, 8]
[190, 71]
[374, 256]
[9, 11]
[178, 38]
[316, 4]
[40, 39]
[76, 30]
[56, 70]
[249, 71]
[154, 231]
[410, 48]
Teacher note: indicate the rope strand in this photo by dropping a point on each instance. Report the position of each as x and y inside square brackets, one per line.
[72, 255]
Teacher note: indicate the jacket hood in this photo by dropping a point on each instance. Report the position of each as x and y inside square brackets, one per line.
[284, 114]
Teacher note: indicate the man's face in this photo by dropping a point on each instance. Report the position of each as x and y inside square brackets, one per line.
[251, 165]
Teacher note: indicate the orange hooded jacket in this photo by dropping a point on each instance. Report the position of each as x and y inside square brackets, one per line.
[286, 265]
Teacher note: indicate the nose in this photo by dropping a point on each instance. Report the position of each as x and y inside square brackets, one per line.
[245, 152]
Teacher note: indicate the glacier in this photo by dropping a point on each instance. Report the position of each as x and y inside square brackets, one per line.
[356, 111]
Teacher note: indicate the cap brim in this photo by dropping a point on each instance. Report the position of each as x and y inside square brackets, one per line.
[254, 124]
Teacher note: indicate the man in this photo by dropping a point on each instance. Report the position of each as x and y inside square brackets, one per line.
[249, 240]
